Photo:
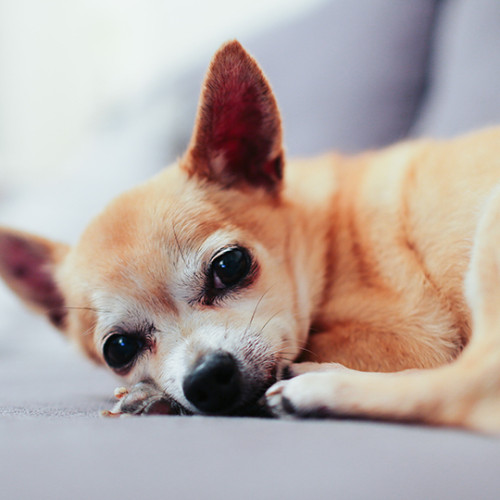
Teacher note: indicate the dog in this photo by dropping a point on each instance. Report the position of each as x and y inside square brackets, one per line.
[235, 283]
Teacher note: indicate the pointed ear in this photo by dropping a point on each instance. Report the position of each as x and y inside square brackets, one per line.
[237, 136]
[28, 264]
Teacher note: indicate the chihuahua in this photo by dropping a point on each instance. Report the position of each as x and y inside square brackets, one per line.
[235, 283]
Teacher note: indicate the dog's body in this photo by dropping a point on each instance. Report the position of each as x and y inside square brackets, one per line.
[206, 283]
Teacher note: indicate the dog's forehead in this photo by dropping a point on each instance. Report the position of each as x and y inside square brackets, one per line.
[155, 208]
[145, 238]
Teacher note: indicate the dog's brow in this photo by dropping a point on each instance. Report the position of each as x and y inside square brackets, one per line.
[218, 239]
[119, 311]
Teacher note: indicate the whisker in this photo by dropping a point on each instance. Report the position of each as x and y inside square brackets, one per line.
[268, 321]
[83, 308]
[255, 309]
[303, 349]
[281, 351]
[178, 244]
[88, 331]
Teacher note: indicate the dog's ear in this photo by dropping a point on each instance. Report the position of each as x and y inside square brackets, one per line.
[237, 136]
[28, 264]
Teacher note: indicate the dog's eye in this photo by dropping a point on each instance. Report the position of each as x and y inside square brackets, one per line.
[230, 268]
[120, 349]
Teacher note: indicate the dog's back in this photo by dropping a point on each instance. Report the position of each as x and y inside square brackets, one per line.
[404, 221]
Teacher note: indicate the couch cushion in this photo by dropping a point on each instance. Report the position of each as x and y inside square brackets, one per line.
[349, 76]
[465, 71]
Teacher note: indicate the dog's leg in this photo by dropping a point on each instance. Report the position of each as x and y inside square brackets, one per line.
[296, 369]
[464, 393]
[415, 396]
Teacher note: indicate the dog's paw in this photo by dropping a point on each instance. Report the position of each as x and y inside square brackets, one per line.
[141, 399]
[311, 395]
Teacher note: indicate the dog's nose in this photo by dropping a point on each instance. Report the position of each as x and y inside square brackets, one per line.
[214, 384]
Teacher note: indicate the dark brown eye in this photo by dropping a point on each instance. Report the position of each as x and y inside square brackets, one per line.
[230, 268]
[121, 349]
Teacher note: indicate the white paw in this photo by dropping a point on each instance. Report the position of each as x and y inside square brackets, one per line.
[308, 395]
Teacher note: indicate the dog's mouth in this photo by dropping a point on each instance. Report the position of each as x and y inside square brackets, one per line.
[253, 406]
[250, 402]
[221, 385]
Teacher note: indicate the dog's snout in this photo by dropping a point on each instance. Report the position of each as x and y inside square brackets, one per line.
[214, 384]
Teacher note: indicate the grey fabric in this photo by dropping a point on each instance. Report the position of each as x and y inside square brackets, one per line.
[220, 458]
[350, 76]
[464, 90]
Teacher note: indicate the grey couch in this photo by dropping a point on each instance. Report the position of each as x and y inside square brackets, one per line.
[350, 76]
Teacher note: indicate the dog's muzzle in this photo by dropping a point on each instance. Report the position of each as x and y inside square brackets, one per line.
[214, 383]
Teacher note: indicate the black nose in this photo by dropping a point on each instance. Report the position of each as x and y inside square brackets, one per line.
[213, 386]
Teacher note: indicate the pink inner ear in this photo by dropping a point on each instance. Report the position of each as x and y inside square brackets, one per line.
[237, 124]
[241, 135]
[238, 134]
[26, 266]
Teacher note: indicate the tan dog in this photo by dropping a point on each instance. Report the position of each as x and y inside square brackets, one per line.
[205, 284]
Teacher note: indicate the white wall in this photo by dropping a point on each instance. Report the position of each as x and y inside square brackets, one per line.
[67, 64]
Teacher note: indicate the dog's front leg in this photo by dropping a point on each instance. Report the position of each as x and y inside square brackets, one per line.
[296, 369]
[143, 398]
[407, 395]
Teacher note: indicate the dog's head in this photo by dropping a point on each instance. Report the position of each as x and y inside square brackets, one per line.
[190, 279]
